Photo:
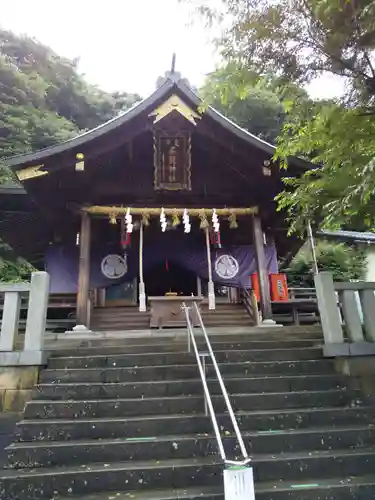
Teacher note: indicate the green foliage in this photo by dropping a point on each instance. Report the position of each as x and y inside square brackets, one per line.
[339, 191]
[13, 269]
[297, 41]
[43, 101]
[343, 261]
[252, 103]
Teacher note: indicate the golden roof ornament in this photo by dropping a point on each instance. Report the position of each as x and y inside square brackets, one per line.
[174, 103]
[31, 173]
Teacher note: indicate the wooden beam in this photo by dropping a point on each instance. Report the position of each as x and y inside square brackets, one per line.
[117, 211]
[260, 255]
[84, 270]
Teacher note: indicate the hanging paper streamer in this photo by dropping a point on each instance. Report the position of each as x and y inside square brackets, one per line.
[129, 221]
[186, 221]
[163, 220]
[215, 221]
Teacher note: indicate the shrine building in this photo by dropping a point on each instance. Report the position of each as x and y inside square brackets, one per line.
[168, 198]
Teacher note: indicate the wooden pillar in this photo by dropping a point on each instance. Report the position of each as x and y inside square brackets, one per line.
[84, 270]
[260, 256]
[199, 287]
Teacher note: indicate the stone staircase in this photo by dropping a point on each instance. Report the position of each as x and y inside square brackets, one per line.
[116, 421]
[119, 318]
[130, 318]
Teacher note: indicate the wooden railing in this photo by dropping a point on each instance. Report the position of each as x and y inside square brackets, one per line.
[250, 302]
[347, 313]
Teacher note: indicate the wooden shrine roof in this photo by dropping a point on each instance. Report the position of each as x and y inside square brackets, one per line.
[227, 163]
[171, 84]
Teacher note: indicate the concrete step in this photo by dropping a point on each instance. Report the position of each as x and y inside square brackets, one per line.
[173, 372]
[102, 408]
[47, 454]
[192, 493]
[359, 488]
[181, 345]
[152, 359]
[164, 388]
[105, 327]
[179, 473]
[156, 425]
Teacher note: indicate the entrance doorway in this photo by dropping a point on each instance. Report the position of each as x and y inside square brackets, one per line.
[167, 277]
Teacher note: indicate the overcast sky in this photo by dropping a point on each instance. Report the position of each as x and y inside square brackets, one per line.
[123, 44]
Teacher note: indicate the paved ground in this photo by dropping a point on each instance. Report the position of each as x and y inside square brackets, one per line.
[7, 427]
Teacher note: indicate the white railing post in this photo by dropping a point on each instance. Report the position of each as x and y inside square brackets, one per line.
[10, 321]
[37, 311]
[367, 298]
[352, 319]
[329, 314]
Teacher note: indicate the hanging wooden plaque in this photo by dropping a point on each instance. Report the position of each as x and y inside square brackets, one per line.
[172, 160]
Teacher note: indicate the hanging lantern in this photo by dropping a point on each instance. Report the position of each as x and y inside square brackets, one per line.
[215, 221]
[163, 220]
[80, 163]
[186, 221]
[267, 168]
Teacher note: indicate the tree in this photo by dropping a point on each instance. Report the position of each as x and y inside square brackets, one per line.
[345, 262]
[298, 41]
[44, 100]
[339, 191]
[13, 268]
[257, 108]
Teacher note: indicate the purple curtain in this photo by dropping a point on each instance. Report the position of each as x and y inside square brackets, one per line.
[231, 265]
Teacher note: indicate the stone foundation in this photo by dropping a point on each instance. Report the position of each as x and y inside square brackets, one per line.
[17, 387]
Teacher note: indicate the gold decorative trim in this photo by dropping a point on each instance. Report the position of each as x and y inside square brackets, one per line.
[193, 212]
[175, 103]
[31, 173]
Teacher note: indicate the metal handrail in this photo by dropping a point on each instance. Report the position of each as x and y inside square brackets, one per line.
[222, 387]
[205, 386]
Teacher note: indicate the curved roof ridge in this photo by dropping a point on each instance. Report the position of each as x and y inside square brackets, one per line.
[168, 84]
[227, 122]
[92, 133]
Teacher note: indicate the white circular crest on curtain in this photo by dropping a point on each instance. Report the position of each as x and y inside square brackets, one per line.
[226, 267]
[114, 266]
